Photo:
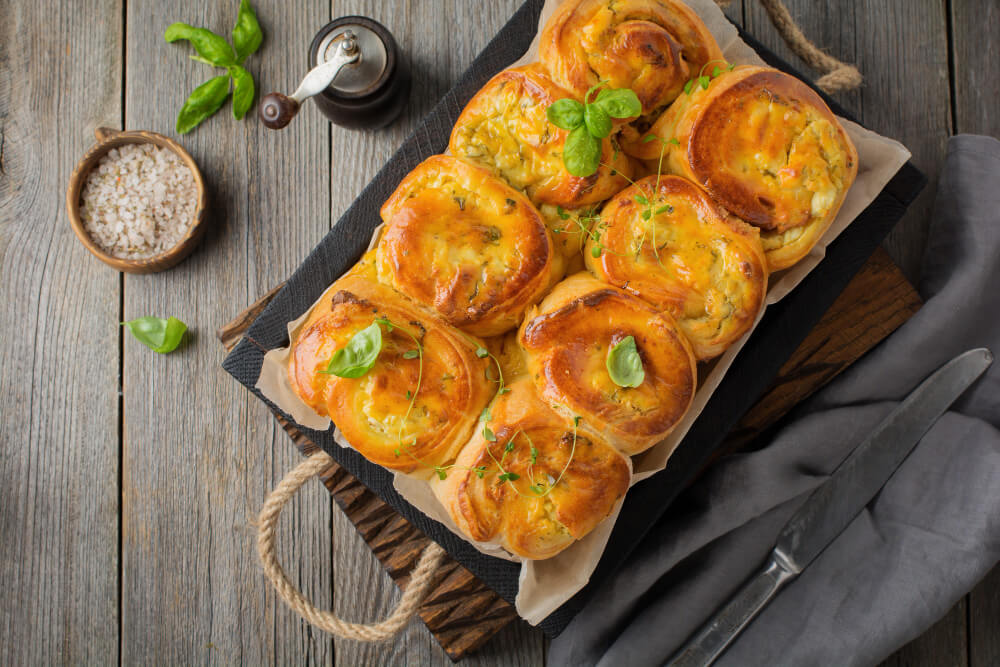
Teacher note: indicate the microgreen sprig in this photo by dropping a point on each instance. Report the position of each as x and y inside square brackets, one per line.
[588, 123]
[703, 79]
[589, 225]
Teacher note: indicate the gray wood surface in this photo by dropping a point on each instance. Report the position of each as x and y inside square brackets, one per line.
[59, 463]
[128, 481]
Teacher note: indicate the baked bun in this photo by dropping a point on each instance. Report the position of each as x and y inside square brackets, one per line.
[768, 149]
[459, 240]
[681, 253]
[504, 127]
[539, 486]
[567, 340]
[650, 46]
[448, 384]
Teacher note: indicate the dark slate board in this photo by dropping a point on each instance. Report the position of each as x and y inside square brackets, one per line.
[781, 330]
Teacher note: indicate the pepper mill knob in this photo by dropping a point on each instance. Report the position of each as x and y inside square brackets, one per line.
[277, 110]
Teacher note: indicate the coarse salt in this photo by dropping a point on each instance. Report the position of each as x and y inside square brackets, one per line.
[139, 201]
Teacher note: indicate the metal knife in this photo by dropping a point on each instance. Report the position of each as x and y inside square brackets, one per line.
[833, 505]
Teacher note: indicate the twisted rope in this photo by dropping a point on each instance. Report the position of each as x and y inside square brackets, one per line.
[837, 75]
[420, 579]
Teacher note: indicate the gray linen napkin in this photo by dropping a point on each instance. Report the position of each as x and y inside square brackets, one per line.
[923, 542]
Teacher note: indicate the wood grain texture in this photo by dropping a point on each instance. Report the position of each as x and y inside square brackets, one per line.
[901, 49]
[975, 48]
[59, 355]
[199, 454]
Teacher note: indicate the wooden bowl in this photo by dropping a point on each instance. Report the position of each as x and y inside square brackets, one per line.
[106, 140]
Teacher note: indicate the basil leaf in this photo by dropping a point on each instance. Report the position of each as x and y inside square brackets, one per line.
[247, 34]
[620, 103]
[204, 101]
[243, 90]
[582, 152]
[158, 334]
[565, 113]
[624, 364]
[209, 46]
[359, 355]
[597, 120]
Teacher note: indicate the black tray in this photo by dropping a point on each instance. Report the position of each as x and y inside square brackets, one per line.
[781, 330]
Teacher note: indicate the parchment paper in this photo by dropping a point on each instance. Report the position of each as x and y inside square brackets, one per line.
[545, 585]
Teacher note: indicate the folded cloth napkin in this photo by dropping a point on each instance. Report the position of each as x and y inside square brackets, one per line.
[923, 542]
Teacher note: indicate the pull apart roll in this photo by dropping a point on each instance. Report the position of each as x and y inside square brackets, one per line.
[651, 46]
[768, 149]
[447, 382]
[460, 241]
[681, 253]
[567, 340]
[537, 484]
[504, 127]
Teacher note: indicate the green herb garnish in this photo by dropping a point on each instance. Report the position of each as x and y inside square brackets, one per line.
[359, 355]
[624, 364]
[214, 50]
[158, 334]
[589, 122]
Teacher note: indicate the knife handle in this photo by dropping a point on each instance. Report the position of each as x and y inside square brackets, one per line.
[705, 646]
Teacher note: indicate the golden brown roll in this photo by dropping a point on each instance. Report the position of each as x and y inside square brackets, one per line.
[767, 149]
[681, 253]
[538, 484]
[504, 127]
[447, 385]
[567, 340]
[650, 46]
[461, 241]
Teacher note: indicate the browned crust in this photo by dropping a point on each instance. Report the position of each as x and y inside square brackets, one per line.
[423, 223]
[706, 150]
[559, 187]
[524, 522]
[566, 343]
[629, 47]
[454, 403]
[684, 278]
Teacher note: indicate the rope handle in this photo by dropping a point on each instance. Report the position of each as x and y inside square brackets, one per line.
[420, 579]
[838, 75]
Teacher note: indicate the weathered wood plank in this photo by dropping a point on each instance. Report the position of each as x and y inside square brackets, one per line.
[438, 55]
[60, 77]
[984, 621]
[901, 48]
[199, 453]
[943, 645]
[975, 47]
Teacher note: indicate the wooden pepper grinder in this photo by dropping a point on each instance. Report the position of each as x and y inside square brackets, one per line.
[359, 79]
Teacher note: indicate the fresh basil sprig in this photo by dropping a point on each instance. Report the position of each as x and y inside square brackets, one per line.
[589, 122]
[359, 355]
[158, 334]
[624, 364]
[202, 103]
[214, 50]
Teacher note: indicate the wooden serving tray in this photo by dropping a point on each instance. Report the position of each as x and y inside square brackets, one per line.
[461, 611]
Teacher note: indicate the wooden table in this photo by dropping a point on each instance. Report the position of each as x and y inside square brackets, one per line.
[128, 480]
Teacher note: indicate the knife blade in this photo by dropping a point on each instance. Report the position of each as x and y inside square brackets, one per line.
[832, 506]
